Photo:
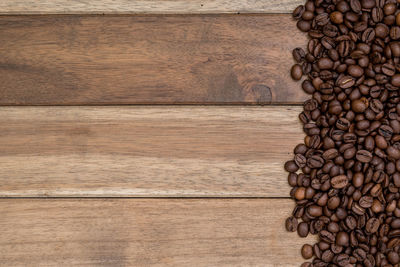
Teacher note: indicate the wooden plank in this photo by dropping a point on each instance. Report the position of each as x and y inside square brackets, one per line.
[147, 151]
[146, 6]
[147, 232]
[207, 59]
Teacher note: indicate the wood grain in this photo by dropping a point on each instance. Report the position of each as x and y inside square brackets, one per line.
[147, 151]
[145, 6]
[203, 59]
[147, 232]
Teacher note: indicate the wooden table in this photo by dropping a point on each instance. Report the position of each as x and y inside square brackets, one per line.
[147, 133]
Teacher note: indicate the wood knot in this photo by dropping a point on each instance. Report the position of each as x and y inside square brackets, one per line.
[261, 93]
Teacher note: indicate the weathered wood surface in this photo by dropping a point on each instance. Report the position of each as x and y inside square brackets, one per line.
[199, 59]
[145, 6]
[147, 151]
[147, 232]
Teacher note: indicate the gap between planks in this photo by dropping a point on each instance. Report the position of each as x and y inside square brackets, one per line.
[147, 151]
[134, 232]
[146, 6]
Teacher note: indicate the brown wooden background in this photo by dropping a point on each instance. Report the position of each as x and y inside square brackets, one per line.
[147, 133]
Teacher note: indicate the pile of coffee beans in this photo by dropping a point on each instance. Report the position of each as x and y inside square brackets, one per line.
[345, 177]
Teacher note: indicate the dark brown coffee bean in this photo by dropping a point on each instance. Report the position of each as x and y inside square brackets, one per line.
[315, 162]
[376, 105]
[296, 72]
[359, 105]
[355, 5]
[303, 229]
[342, 239]
[322, 19]
[345, 82]
[393, 152]
[327, 237]
[308, 87]
[307, 15]
[396, 80]
[386, 131]
[325, 63]
[310, 105]
[299, 54]
[395, 224]
[303, 25]
[343, 260]
[357, 209]
[388, 69]
[344, 48]
[291, 224]
[393, 257]
[372, 225]
[327, 256]
[395, 33]
[358, 179]
[368, 4]
[366, 201]
[359, 254]
[330, 154]
[355, 71]
[300, 160]
[377, 15]
[339, 181]
[351, 222]
[360, 26]
[290, 166]
[368, 35]
[364, 156]
[298, 12]
[307, 251]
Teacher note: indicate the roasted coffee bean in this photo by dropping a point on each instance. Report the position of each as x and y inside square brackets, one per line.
[364, 156]
[359, 105]
[303, 229]
[376, 105]
[396, 80]
[372, 225]
[303, 25]
[326, 236]
[315, 162]
[307, 251]
[330, 154]
[300, 160]
[336, 17]
[296, 72]
[345, 82]
[355, 5]
[327, 255]
[343, 260]
[366, 201]
[291, 166]
[291, 224]
[342, 239]
[359, 254]
[386, 131]
[388, 69]
[299, 54]
[339, 181]
[355, 71]
[298, 12]
[322, 19]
